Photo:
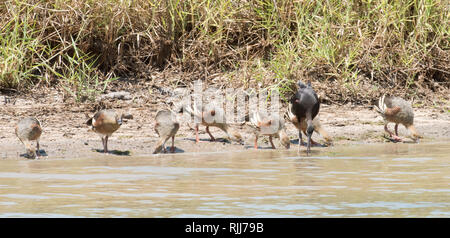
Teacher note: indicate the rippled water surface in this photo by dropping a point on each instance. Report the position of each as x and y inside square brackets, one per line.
[388, 180]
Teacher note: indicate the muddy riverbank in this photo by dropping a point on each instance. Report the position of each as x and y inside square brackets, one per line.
[66, 135]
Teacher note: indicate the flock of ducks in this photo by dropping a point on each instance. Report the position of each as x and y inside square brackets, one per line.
[302, 112]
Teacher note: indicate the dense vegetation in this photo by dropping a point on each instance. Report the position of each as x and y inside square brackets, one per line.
[351, 50]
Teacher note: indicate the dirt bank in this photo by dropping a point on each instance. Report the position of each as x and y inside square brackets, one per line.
[66, 135]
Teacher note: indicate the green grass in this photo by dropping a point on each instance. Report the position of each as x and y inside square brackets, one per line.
[351, 50]
[18, 40]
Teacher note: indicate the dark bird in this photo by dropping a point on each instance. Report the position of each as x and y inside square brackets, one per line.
[305, 106]
[166, 127]
[27, 130]
[105, 123]
[398, 111]
[302, 126]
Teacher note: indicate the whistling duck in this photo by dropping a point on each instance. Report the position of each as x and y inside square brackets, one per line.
[272, 126]
[398, 111]
[166, 126]
[305, 106]
[105, 123]
[212, 115]
[302, 126]
[27, 130]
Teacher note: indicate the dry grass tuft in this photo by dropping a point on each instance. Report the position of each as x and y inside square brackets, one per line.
[352, 51]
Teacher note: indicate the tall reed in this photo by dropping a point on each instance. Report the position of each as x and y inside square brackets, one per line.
[357, 46]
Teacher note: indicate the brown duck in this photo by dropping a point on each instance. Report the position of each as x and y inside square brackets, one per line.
[272, 126]
[166, 127]
[398, 111]
[212, 115]
[105, 123]
[27, 130]
[303, 125]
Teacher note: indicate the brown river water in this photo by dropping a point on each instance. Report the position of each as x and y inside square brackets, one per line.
[382, 180]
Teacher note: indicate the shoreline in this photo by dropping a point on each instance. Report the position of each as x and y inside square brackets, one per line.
[65, 134]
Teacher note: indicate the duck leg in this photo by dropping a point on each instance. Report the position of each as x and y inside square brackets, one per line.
[210, 135]
[396, 133]
[271, 142]
[256, 143]
[196, 134]
[173, 145]
[37, 148]
[103, 143]
[106, 144]
[395, 138]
